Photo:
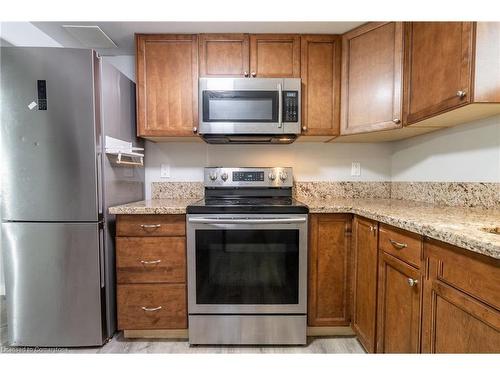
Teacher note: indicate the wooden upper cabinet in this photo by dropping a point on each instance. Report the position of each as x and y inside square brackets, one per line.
[275, 55]
[167, 85]
[224, 55]
[398, 316]
[320, 73]
[329, 270]
[364, 317]
[438, 67]
[372, 85]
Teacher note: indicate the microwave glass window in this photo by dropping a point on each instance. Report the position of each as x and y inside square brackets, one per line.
[241, 109]
[240, 106]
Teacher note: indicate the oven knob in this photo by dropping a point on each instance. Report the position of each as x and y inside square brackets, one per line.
[213, 176]
[283, 176]
[272, 176]
[224, 176]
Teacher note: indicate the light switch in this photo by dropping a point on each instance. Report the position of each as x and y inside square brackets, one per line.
[356, 168]
[165, 171]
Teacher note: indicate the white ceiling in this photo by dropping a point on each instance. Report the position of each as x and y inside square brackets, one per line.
[122, 33]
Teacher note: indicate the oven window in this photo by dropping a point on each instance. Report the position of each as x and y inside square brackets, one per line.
[240, 106]
[247, 267]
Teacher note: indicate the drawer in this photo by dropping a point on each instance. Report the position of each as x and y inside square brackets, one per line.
[474, 274]
[152, 306]
[151, 225]
[151, 259]
[402, 244]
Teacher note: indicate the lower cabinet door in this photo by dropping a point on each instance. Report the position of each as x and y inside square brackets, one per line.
[455, 322]
[399, 306]
[329, 266]
[152, 306]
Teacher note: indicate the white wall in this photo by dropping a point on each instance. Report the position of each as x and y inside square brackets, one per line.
[310, 161]
[125, 64]
[469, 153]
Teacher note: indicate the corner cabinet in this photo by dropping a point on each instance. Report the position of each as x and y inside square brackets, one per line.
[320, 73]
[372, 82]
[329, 270]
[167, 85]
[365, 248]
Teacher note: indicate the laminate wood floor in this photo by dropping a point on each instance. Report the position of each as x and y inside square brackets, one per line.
[118, 344]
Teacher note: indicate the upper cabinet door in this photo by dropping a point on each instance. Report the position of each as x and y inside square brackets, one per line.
[275, 55]
[372, 85]
[224, 55]
[438, 68]
[167, 85]
[320, 73]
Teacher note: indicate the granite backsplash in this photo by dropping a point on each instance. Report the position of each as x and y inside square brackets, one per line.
[463, 194]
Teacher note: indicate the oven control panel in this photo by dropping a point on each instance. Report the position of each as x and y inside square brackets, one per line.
[248, 177]
[290, 106]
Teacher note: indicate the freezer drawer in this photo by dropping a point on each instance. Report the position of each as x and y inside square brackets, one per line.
[53, 287]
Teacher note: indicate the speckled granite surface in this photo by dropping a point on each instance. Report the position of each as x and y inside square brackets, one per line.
[465, 194]
[176, 190]
[342, 189]
[154, 206]
[455, 225]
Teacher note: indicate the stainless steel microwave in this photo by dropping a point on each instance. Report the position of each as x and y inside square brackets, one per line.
[249, 110]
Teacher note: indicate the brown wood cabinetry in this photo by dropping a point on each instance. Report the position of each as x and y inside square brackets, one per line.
[329, 270]
[151, 272]
[167, 85]
[275, 55]
[399, 307]
[460, 307]
[450, 65]
[320, 73]
[365, 248]
[224, 55]
[372, 83]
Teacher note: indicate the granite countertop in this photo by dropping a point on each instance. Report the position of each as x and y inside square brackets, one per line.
[454, 225]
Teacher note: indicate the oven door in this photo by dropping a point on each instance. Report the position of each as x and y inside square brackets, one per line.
[247, 264]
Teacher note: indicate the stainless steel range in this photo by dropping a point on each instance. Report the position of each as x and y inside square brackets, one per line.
[247, 259]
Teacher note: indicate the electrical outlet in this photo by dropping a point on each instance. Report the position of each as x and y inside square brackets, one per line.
[165, 171]
[356, 168]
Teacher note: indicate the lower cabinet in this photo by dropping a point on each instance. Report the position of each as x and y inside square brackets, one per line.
[399, 312]
[151, 273]
[364, 281]
[461, 301]
[329, 270]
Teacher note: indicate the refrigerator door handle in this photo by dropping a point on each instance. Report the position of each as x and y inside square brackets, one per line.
[101, 255]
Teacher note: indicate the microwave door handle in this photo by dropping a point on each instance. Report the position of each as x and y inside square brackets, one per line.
[207, 220]
[280, 106]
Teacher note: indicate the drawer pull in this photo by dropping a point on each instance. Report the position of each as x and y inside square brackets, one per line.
[150, 226]
[398, 245]
[151, 261]
[149, 309]
[412, 282]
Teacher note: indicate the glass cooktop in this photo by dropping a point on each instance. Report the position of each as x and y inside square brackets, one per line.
[247, 204]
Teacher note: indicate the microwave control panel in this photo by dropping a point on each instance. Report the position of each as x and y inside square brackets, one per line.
[290, 106]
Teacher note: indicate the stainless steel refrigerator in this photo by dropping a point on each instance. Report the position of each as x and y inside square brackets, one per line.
[57, 105]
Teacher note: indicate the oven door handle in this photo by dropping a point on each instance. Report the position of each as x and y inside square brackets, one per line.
[209, 220]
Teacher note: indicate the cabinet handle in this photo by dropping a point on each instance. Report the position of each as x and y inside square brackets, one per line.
[398, 245]
[149, 309]
[245, 74]
[150, 226]
[254, 74]
[396, 121]
[412, 282]
[461, 94]
[195, 130]
[304, 128]
[373, 228]
[151, 261]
